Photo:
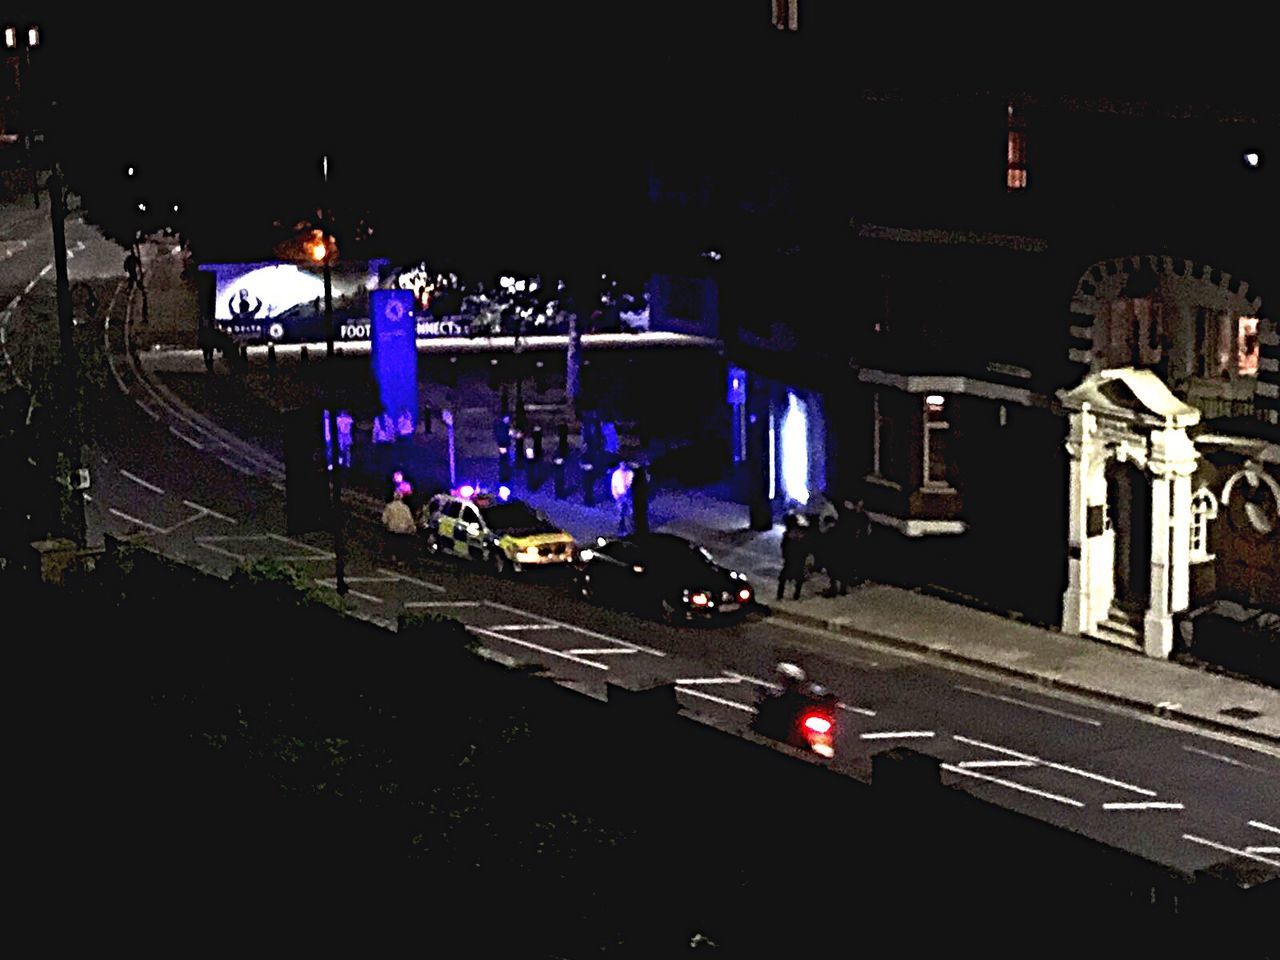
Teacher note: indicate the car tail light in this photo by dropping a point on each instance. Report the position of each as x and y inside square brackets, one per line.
[817, 723]
[699, 599]
[744, 594]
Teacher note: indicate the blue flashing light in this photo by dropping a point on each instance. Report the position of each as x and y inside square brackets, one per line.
[466, 491]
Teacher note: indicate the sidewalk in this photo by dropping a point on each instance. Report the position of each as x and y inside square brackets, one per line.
[903, 618]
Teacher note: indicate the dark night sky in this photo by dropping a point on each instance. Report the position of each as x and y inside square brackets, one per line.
[540, 113]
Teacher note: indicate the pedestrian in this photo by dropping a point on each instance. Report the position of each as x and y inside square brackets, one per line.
[620, 486]
[401, 528]
[795, 553]
[131, 268]
[859, 540]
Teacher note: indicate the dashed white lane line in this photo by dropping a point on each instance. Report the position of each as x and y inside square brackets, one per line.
[690, 681]
[404, 576]
[332, 584]
[237, 557]
[1222, 846]
[972, 764]
[896, 735]
[1223, 757]
[31, 286]
[1011, 785]
[140, 482]
[1143, 805]
[524, 626]
[1264, 826]
[134, 520]
[182, 436]
[1028, 705]
[723, 701]
[1262, 849]
[575, 629]
[1056, 766]
[536, 646]
[442, 603]
[236, 467]
[862, 711]
[210, 512]
[146, 408]
[602, 651]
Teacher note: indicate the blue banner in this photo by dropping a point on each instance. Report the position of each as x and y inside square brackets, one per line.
[394, 355]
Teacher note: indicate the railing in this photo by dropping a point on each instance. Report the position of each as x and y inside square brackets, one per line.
[1213, 408]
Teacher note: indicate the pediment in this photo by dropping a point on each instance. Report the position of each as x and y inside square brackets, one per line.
[1128, 393]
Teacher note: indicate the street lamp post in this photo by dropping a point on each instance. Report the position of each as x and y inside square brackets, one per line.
[335, 471]
[57, 212]
[24, 41]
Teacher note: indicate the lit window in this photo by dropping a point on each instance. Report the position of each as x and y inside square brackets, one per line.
[935, 442]
[1204, 507]
[1247, 347]
[786, 14]
[1016, 165]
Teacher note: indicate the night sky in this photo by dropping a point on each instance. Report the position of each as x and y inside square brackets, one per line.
[530, 121]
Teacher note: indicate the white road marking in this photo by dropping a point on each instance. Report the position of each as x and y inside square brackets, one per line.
[146, 408]
[212, 513]
[332, 584]
[745, 707]
[236, 467]
[1057, 766]
[1262, 849]
[43, 271]
[138, 480]
[569, 626]
[534, 646]
[278, 485]
[524, 626]
[237, 557]
[1224, 847]
[689, 681]
[852, 709]
[404, 576]
[134, 520]
[896, 735]
[603, 652]
[1264, 826]
[1028, 705]
[316, 552]
[971, 764]
[1011, 785]
[442, 603]
[182, 436]
[756, 680]
[1223, 757]
[1143, 805]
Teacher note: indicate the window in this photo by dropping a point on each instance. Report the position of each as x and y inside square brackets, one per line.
[1132, 332]
[935, 442]
[1213, 344]
[786, 14]
[452, 509]
[1247, 347]
[1204, 507]
[1016, 165]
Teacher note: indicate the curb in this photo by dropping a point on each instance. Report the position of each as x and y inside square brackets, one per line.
[1146, 706]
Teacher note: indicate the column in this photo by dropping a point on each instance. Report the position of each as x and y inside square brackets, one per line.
[1075, 601]
[1180, 550]
[1157, 632]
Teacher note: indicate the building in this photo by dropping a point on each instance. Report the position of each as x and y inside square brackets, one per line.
[1034, 329]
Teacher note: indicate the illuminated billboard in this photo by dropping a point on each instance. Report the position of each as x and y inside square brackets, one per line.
[283, 302]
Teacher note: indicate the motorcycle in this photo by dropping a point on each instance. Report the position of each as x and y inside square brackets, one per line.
[802, 714]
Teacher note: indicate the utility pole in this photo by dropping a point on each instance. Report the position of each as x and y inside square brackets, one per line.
[71, 411]
[331, 374]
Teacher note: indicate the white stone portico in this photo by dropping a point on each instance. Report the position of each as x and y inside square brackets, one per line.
[1129, 530]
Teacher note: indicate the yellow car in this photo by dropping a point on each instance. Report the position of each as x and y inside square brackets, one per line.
[505, 533]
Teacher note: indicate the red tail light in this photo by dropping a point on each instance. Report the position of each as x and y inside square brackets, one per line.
[817, 723]
[744, 594]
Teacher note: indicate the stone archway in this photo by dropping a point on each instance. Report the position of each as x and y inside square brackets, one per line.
[1132, 463]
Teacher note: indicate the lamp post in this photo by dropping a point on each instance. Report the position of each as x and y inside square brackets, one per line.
[21, 43]
[325, 250]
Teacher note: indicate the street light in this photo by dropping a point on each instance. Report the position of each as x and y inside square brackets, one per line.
[321, 249]
[21, 45]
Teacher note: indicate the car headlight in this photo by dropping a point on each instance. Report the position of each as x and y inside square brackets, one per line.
[699, 599]
[585, 556]
[528, 553]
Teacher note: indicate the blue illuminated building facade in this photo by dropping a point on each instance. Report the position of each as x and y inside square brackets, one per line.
[1035, 332]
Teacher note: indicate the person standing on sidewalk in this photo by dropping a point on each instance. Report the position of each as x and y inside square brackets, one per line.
[841, 545]
[795, 552]
[620, 485]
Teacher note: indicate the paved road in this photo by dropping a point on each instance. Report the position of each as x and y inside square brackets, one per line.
[1184, 797]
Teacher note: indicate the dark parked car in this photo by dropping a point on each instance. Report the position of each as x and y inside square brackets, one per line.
[663, 575]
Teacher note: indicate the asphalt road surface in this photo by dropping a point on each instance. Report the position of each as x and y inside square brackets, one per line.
[1181, 796]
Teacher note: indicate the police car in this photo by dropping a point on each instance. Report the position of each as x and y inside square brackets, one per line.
[508, 534]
